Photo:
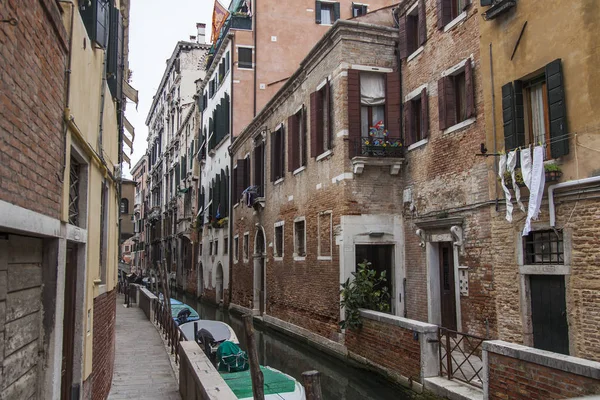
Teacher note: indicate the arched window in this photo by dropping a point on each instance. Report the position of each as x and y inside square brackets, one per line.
[124, 206]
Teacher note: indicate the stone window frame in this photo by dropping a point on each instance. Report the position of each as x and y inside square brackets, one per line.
[526, 270]
[319, 215]
[296, 256]
[278, 224]
[83, 185]
[237, 50]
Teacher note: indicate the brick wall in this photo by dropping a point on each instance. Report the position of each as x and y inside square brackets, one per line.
[103, 350]
[511, 378]
[33, 61]
[391, 347]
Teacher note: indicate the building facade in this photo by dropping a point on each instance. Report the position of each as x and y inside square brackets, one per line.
[64, 68]
[140, 177]
[167, 160]
[127, 205]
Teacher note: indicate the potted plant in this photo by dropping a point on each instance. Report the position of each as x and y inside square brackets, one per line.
[518, 179]
[553, 172]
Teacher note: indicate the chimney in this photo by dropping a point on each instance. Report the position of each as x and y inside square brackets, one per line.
[201, 38]
[192, 38]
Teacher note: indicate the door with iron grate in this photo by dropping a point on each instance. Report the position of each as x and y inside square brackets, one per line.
[447, 290]
[549, 313]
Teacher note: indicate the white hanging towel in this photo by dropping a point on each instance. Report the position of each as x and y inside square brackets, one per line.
[507, 196]
[511, 163]
[536, 191]
[526, 167]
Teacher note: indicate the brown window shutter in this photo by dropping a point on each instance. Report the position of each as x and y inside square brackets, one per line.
[424, 114]
[402, 46]
[422, 23]
[444, 12]
[292, 147]
[234, 188]
[409, 136]
[314, 123]
[326, 107]
[281, 170]
[442, 103]
[273, 162]
[240, 172]
[354, 112]
[392, 104]
[305, 130]
[450, 101]
[469, 89]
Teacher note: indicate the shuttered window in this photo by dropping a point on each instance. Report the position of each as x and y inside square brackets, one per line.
[326, 13]
[114, 56]
[416, 118]
[413, 28]
[259, 167]
[456, 97]
[277, 154]
[320, 120]
[534, 112]
[358, 9]
[244, 57]
[447, 10]
[95, 15]
[297, 140]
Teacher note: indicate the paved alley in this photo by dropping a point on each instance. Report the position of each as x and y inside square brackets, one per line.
[142, 367]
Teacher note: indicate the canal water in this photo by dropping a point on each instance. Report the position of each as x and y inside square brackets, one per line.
[339, 381]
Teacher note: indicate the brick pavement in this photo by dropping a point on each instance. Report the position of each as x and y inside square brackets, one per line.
[142, 368]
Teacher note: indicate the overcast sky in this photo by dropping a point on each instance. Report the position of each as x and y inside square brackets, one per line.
[155, 28]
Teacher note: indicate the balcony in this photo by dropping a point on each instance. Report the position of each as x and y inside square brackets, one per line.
[154, 213]
[242, 22]
[383, 152]
[499, 7]
[235, 20]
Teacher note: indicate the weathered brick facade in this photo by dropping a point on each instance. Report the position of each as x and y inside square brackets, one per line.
[103, 351]
[32, 64]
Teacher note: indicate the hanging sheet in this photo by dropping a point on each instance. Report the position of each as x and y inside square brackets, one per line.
[511, 163]
[536, 191]
[507, 196]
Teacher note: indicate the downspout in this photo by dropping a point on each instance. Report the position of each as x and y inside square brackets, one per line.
[551, 188]
[494, 124]
[67, 87]
[230, 225]
[255, 51]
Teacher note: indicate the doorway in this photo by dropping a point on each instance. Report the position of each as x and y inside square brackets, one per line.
[381, 257]
[219, 278]
[549, 313]
[259, 271]
[69, 323]
[447, 286]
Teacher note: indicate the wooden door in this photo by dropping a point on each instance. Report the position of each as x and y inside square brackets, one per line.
[549, 313]
[447, 291]
[69, 323]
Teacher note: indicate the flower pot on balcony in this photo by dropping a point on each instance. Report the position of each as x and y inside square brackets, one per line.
[553, 176]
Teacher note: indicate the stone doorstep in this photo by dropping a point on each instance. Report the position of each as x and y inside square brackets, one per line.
[452, 389]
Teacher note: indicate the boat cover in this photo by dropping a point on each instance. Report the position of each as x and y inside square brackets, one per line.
[177, 308]
[219, 330]
[275, 382]
[230, 358]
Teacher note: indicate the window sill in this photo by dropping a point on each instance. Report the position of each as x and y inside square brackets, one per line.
[278, 258]
[459, 126]
[324, 155]
[418, 144]
[299, 258]
[245, 68]
[324, 258]
[278, 181]
[297, 171]
[415, 54]
[461, 17]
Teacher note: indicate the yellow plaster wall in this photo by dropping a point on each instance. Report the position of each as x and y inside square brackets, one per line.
[555, 29]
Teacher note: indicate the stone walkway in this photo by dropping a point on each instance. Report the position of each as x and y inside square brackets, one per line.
[142, 366]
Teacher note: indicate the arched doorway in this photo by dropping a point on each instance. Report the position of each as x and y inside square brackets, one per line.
[259, 270]
[219, 278]
[200, 279]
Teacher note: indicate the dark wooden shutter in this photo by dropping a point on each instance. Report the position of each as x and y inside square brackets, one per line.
[557, 110]
[444, 12]
[469, 89]
[102, 21]
[281, 171]
[519, 114]
[422, 23]
[241, 173]
[326, 107]
[450, 101]
[336, 11]
[114, 56]
[485, 3]
[402, 37]
[424, 114]
[354, 125]
[227, 107]
[303, 133]
[411, 41]
[364, 10]
[442, 104]
[235, 186]
[292, 142]
[508, 116]
[392, 104]
[408, 124]
[314, 123]
[318, 12]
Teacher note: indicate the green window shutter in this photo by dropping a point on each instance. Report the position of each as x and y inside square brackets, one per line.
[227, 114]
[557, 110]
[336, 11]
[485, 3]
[114, 56]
[177, 176]
[519, 115]
[318, 12]
[508, 116]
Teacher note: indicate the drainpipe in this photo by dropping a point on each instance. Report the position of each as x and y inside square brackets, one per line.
[67, 86]
[494, 124]
[255, 51]
[230, 225]
[551, 188]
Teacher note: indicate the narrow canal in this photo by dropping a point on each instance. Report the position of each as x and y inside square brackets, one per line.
[339, 381]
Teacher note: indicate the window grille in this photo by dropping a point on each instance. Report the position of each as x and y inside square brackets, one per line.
[544, 247]
[74, 174]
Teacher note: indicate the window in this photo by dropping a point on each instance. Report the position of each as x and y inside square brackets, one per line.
[241, 178]
[297, 140]
[216, 249]
[245, 57]
[277, 154]
[226, 62]
[236, 248]
[456, 96]
[416, 118]
[246, 249]
[103, 230]
[320, 119]
[327, 13]
[95, 15]
[210, 249]
[325, 235]
[534, 112]
[449, 10]
[200, 249]
[74, 191]
[544, 247]
[413, 27]
[124, 206]
[278, 249]
[358, 9]
[299, 238]
[259, 166]
[372, 103]
[225, 246]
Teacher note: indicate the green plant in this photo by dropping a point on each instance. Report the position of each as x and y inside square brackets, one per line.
[551, 167]
[508, 178]
[366, 290]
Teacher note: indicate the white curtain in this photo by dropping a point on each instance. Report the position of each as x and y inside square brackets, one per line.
[372, 89]
[537, 115]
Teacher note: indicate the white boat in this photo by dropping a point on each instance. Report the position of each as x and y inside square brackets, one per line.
[219, 331]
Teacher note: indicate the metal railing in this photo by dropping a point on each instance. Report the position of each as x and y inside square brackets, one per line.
[168, 327]
[460, 356]
[378, 147]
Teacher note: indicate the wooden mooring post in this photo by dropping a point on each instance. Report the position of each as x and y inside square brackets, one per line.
[312, 385]
[258, 380]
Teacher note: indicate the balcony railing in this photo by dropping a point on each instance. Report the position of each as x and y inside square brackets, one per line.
[378, 147]
[234, 22]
